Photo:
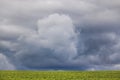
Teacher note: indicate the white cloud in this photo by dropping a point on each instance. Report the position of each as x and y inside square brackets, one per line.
[58, 32]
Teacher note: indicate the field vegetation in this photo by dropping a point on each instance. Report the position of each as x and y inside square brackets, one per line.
[59, 75]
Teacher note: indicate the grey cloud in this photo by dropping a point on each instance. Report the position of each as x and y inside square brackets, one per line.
[53, 43]
[5, 64]
[61, 34]
[105, 67]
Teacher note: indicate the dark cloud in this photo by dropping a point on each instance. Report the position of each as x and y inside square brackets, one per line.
[5, 64]
[48, 34]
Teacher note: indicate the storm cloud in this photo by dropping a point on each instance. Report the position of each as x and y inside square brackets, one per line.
[60, 34]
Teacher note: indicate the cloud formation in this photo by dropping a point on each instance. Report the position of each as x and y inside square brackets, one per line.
[5, 64]
[48, 34]
[54, 42]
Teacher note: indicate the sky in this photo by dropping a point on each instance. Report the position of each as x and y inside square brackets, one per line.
[59, 34]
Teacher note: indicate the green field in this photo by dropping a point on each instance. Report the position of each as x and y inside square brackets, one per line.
[59, 75]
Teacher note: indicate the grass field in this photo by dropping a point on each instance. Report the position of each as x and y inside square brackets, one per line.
[59, 75]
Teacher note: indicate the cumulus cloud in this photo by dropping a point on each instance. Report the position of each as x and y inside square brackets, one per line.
[53, 43]
[48, 34]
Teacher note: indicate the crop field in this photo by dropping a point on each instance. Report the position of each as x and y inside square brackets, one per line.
[59, 75]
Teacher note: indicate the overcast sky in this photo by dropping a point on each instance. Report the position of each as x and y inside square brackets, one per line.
[60, 34]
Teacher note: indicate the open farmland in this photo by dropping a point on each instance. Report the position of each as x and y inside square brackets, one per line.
[59, 75]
